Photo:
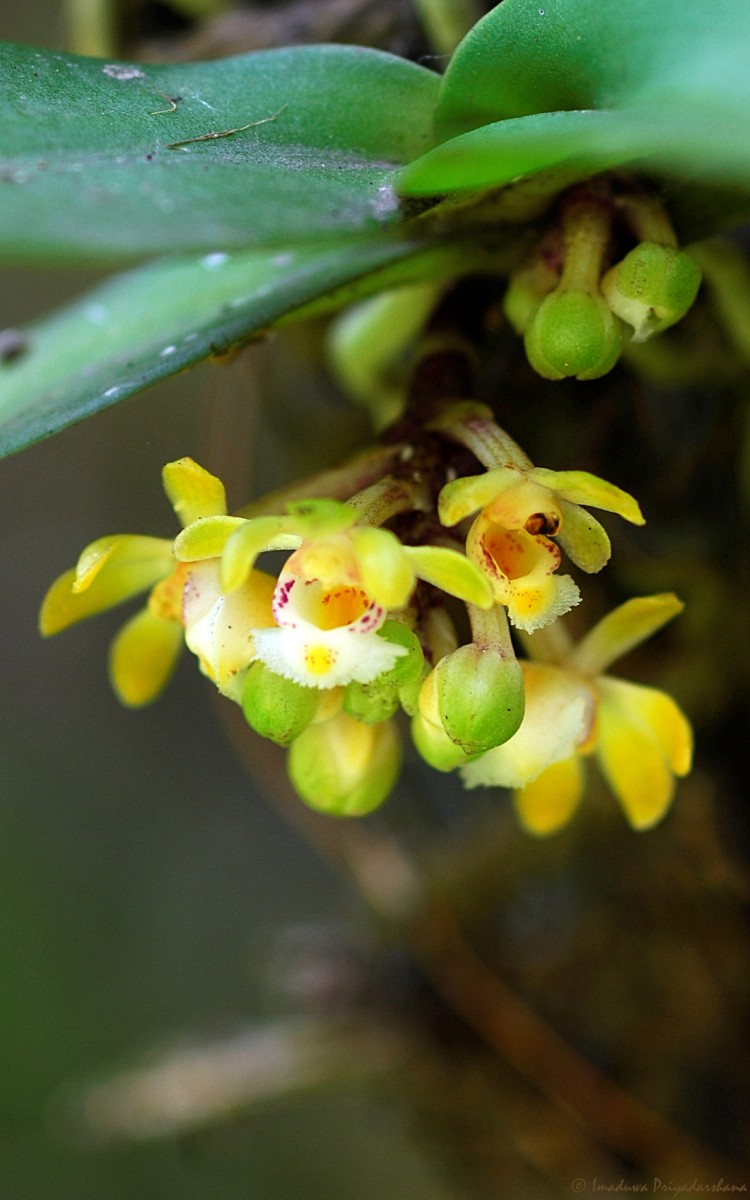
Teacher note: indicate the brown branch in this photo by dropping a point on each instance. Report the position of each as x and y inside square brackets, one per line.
[389, 882]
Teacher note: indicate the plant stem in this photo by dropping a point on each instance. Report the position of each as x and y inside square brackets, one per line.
[92, 27]
[338, 483]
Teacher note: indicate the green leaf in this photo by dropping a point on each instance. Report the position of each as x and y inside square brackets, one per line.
[157, 319]
[582, 86]
[531, 56]
[111, 161]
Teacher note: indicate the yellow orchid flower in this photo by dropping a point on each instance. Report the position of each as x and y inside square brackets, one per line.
[520, 509]
[639, 736]
[113, 569]
[334, 593]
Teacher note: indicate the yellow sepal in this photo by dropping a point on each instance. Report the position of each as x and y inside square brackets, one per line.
[63, 607]
[121, 550]
[547, 803]
[622, 629]
[143, 657]
[582, 488]
[193, 491]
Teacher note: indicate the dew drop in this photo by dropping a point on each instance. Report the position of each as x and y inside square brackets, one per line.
[212, 261]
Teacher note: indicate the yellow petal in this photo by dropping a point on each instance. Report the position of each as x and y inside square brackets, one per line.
[452, 572]
[121, 550]
[623, 629]
[467, 495]
[63, 607]
[193, 491]
[635, 756]
[560, 709]
[385, 571]
[143, 657]
[549, 801]
[251, 539]
[583, 539]
[582, 488]
[330, 560]
[205, 538]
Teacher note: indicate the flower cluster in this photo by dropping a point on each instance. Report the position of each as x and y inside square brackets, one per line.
[363, 620]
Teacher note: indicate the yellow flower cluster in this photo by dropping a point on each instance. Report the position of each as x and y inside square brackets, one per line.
[354, 628]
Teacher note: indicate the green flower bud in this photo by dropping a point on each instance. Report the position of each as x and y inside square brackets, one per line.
[480, 696]
[275, 707]
[573, 333]
[343, 767]
[371, 702]
[651, 288]
[378, 700]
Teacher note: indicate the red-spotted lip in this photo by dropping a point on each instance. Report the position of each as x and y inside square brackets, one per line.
[508, 554]
[287, 616]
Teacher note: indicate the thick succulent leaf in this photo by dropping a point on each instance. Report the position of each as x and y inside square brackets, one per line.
[582, 86]
[111, 161]
[528, 57]
[157, 319]
[581, 143]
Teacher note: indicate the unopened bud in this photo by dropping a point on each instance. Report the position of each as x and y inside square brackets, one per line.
[371, 702]
[652, 288]
[275, 707]
[344, 767]
[379, 699]
[480, 696]
[573, 333]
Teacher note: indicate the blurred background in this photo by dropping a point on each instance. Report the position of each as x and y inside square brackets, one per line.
[161, 894]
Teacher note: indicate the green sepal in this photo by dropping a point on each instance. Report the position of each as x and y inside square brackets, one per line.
[277, 708]
[480, 696]
[573, 333]
[407, 667]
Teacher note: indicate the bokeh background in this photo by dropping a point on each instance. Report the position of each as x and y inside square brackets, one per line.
[149, 893]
